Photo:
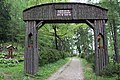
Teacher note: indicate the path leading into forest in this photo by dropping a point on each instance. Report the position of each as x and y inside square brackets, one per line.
[70, 71]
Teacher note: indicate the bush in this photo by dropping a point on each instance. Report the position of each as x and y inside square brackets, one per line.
[91, 58]
[48, 55]
[111, 70]
[82, 55]
[73, 55]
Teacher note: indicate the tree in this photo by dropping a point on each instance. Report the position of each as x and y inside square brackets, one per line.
[113, 21]
[4, 21]
[84, 40]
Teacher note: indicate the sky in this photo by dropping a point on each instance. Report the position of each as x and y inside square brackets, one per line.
[84, 1]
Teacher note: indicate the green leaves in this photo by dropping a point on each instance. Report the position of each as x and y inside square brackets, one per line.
[4, 21]
[84, 39]
[8, 62]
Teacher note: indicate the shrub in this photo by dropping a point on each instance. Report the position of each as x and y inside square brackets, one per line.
[82, 55]
[91, 58]
[48, 55]
[112, 70]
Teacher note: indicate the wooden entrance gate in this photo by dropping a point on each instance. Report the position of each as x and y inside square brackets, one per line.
[37, 16]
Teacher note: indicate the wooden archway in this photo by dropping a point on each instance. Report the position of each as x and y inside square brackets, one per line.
[37, 16]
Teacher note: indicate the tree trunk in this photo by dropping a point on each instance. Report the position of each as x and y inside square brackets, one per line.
[115, 39]
[114, 34]
[54, 27]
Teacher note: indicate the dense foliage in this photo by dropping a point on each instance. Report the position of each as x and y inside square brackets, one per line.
[4, 21]
[48, 55]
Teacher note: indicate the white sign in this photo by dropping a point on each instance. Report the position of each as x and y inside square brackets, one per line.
[63, 13]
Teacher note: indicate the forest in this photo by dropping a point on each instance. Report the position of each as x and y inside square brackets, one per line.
[56, 42]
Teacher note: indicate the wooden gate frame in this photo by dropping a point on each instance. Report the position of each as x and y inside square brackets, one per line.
[36, 16]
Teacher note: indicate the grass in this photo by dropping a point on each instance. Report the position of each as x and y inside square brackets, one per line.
[49, 69]
[17, 72]
[90, 75]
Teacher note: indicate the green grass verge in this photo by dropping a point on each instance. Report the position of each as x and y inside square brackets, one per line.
[49, 69]
[17, 72]
[90, 75]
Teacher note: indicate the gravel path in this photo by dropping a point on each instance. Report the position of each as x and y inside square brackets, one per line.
[70, 71]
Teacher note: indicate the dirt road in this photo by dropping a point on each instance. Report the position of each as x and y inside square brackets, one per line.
[71, 71]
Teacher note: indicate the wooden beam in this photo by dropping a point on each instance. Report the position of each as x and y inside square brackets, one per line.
[90, 24]
[39, 25]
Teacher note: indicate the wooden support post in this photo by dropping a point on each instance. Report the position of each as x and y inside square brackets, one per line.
[101, 53]
[96, 48]
[31, 48]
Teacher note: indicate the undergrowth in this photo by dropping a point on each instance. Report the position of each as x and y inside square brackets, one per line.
[89, 74]
[17, 72]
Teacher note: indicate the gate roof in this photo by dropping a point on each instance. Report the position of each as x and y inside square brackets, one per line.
[66, 12]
